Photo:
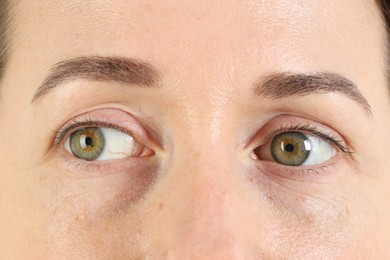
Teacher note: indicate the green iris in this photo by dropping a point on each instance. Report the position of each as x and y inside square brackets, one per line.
[87, 143]
[290, 148]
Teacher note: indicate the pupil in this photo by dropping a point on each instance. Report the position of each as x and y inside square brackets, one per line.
[289, 148]
[89, 141]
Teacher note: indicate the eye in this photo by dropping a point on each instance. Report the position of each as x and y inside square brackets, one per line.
[296, 149]
[100, 144]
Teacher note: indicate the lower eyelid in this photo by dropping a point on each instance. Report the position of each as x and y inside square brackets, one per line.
[78, 168]
[315, 173]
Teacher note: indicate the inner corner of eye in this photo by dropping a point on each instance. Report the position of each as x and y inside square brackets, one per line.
[257, 153]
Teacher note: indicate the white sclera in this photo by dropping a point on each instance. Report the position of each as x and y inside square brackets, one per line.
[117, 145]
[321, 151]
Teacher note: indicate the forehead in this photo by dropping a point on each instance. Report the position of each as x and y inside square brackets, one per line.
[222, 35]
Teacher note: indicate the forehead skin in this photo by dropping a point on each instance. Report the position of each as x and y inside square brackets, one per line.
[279, 35]
[208, 54]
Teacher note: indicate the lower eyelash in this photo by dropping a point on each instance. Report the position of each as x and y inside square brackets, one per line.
[82, 165]
[300, 174]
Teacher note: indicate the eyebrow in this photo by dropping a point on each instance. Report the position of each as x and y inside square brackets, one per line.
[284, 85]
[119, 69]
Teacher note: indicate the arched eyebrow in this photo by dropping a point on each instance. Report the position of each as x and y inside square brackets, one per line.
[97, 68]
[136, 72]
[285, 85]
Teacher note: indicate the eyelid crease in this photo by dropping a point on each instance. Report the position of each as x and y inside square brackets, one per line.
[313, 130]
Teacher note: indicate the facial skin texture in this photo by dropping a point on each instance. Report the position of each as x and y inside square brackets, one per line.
[201, 194]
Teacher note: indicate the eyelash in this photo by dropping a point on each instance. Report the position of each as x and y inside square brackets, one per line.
[92, 167]
[307, 128]
[78, 124]
[312, 130]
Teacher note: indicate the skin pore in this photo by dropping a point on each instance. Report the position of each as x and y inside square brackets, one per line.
[198, 91]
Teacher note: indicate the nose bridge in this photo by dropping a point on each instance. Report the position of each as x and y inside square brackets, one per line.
[206, 227]
[208, 181]
[203, 185]
[205, 222]
[211, 190]
[205, 165]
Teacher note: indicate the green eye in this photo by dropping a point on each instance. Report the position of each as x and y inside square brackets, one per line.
[290, 148]
[87, 143]
[294, 148]
[103, 144]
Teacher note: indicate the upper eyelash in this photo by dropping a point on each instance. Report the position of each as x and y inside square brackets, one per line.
[314, 130]
[60, 135]
[76, 124]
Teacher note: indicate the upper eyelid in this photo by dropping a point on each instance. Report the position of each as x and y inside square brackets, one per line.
[77, 124]
[114, 118]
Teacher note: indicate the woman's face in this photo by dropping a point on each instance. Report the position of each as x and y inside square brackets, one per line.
[195, 130]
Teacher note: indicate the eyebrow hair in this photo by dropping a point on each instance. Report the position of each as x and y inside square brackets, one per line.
[284, 85]
[119, 69]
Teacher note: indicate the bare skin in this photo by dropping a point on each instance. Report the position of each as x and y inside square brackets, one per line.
[195, 186]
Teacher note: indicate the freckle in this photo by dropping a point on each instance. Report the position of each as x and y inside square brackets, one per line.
[148, 7]
[160, 206]
[79, 217]
[196, 155]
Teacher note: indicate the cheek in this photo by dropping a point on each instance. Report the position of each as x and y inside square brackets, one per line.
[104, 237]
[101, 189]
[97, 215]
[310, 220]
